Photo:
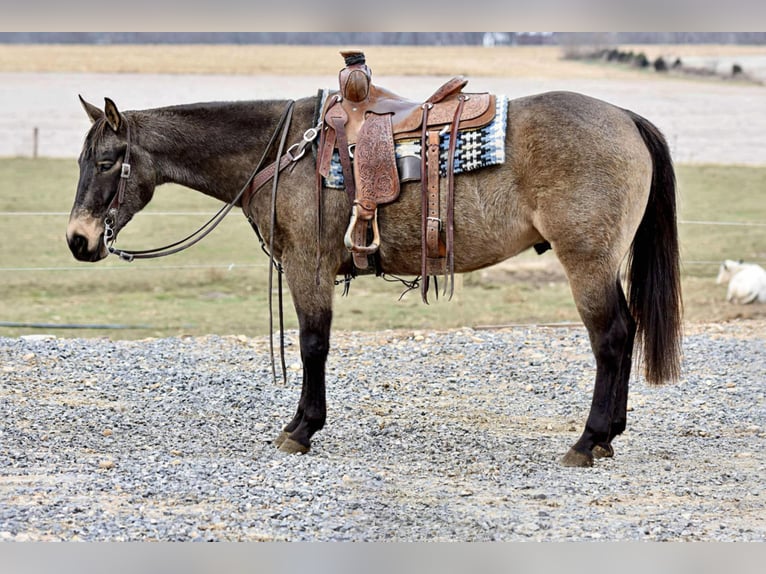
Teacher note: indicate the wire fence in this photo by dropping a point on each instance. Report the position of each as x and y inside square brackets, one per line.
[116, 266]
[235, 265]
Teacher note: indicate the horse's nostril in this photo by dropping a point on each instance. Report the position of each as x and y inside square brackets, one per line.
[78, 245]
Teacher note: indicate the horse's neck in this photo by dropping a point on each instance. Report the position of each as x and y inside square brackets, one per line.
[211, 148]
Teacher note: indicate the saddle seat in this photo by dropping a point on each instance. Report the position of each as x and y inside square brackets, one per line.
[363, 121]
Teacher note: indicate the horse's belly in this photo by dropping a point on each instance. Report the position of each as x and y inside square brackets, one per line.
[489, 222]
[471, 252]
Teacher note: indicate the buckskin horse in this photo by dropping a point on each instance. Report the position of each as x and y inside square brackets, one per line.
[592, 181]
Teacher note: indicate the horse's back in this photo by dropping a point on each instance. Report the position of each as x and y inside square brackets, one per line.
[747, 284]
[567, 135]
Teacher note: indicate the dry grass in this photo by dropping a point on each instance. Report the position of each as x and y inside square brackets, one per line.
[520, 61]
[289, 60]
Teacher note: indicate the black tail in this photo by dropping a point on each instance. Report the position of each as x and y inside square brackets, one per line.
[655, 275]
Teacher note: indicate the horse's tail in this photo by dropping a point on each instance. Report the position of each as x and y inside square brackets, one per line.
[655, 276]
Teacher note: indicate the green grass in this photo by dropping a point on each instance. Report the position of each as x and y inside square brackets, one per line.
[220, 285]
[716, 193]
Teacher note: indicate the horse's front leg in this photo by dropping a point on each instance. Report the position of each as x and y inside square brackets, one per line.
[313, 305]
[312, 407]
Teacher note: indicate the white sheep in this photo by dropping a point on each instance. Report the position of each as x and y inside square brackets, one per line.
[747, 282]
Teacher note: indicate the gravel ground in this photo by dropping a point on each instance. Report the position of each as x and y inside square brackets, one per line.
[431, 436]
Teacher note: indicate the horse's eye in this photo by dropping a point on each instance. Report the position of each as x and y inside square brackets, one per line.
[104, 166]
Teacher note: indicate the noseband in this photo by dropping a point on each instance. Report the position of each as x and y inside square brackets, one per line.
[257, 179]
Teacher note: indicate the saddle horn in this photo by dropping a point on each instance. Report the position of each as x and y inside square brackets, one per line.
[355, 78]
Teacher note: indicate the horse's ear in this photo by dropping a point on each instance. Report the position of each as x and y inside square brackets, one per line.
[93, 112]
[113, 117]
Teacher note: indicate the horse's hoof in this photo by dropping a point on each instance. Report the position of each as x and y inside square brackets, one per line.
[281, 438]
[291, 446]
[603, 451]
[577, 458]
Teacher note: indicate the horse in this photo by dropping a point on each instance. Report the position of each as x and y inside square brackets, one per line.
[747, 282]
[592, 181]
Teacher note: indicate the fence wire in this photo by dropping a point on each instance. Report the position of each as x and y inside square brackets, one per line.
[232, 266]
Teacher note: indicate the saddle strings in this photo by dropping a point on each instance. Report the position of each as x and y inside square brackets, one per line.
[449, 278]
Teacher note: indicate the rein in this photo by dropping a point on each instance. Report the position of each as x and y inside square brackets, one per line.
[257, 179]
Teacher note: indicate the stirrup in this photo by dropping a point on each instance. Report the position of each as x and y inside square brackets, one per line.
[348, 240]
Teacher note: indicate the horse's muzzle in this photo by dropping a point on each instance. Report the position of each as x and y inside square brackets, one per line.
[85, 236]
[79, 246]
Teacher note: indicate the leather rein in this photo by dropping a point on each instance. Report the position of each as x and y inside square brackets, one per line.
[257, 179]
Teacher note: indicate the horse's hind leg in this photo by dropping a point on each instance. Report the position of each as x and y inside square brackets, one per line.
[620, 416]
[611, 329]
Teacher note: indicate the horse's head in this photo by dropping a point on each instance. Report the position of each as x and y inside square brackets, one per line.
[116, 181]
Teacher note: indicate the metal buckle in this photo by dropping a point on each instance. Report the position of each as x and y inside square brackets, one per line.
[308, 136]
[125, 172]
[437, 220]
[301, 147]
[311, 134]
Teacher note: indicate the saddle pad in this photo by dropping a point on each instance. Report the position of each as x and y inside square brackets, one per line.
[476, 148]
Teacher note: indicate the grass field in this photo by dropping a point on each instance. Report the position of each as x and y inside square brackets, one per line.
[220, 285]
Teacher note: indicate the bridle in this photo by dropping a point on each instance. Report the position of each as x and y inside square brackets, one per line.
[259, 177]
[114, 206]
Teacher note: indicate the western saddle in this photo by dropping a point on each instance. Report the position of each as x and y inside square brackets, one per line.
[363, 122]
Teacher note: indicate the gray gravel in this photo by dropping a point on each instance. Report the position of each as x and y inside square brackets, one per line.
[431, 436]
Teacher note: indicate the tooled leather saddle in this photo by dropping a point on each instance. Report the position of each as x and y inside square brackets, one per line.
[363, 122]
